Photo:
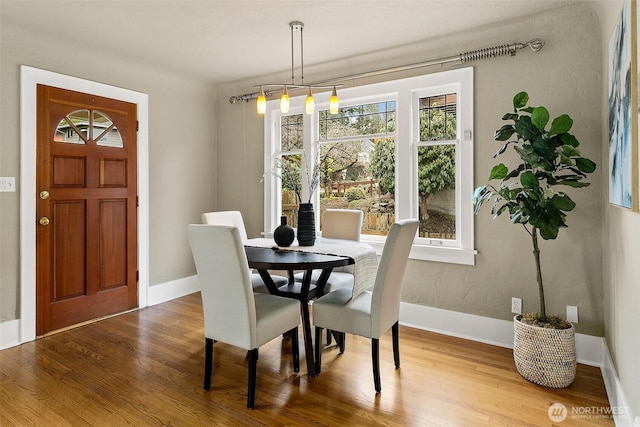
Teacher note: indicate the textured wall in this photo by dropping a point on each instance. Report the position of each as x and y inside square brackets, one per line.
[181, 141]
[572, 265]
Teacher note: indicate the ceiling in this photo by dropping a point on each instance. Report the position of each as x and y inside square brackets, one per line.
[228, 40]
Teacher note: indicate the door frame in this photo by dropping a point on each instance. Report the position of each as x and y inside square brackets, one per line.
[29, 78]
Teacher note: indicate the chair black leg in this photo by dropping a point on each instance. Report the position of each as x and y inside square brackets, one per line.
[329, 332]
[396, 344]
[208, 362]
[295, 350]
[318, 350]
[375, 359]
[343, 339]
[251, 392]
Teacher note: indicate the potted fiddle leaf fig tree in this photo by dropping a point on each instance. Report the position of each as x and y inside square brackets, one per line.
[532, 192]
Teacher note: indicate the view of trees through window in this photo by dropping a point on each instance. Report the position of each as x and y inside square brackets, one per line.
[437, 167]
[357, 164]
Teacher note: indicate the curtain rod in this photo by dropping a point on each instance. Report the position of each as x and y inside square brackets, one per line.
[474, 55]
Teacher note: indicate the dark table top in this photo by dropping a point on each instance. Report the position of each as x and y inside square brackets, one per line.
[269, 258]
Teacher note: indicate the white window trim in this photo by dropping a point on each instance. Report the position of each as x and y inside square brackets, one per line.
[403, 92]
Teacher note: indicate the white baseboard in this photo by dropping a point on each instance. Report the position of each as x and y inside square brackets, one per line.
[9, 334]
[615, 393]
[486, 330]
[171, 290]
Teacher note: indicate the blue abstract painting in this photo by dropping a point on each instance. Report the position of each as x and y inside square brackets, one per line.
[620, 137]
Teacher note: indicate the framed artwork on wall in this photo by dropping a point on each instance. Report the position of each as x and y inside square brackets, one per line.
[623, 111]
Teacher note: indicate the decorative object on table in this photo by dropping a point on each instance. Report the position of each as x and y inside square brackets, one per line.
[291, 179]
[283, 234]
[544, 351]
[306, 224]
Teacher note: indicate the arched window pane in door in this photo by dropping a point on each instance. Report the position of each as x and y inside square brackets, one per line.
[105, 133]
[80, 126]
[73, 129]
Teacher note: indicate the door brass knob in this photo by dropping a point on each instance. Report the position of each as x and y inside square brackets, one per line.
[44, 194]
[44, 221]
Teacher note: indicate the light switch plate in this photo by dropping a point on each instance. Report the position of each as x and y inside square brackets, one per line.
[572, 313]
[7, 184]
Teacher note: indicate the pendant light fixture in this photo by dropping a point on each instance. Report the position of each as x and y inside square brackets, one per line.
[261, 102]
[334, 106]
[284, 101]
[309, 104]
[284, 98]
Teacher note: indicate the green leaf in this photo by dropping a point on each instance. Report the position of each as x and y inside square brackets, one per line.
[541, 148]
[527, 154]
[527, 110]
[526, 129]
[529, 180]
[504, 133]
[549, 232]
[568, 139]
[498, 172]
[510, 116]
[546, 165]
[573, 184]
[515, 172]
[520, 100]
[540, 117]
[499, 211]
[533, 195]
[564, 203]
[585, 165]
[561, 124]
[570, 150]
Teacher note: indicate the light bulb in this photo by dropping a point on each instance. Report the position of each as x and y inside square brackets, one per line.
[284, 101]
[261, 103]
[309, 103]
[333, 102]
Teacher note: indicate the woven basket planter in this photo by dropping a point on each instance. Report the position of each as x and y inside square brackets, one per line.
[545, 356]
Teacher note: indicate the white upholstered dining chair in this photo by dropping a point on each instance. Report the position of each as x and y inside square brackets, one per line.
[338, 224]
[233, 313]
[371, 313]
[234, 218]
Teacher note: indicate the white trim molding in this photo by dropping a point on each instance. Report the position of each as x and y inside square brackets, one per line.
[175, 289]
[615, 393]
[486, 330]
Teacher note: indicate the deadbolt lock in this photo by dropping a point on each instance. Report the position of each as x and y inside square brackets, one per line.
[44, 194]
[44, 221]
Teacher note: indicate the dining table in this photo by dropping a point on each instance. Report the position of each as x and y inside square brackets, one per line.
[326, 254]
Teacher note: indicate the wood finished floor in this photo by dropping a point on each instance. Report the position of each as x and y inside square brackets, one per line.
[146, 367]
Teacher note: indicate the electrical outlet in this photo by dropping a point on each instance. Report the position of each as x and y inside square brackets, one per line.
[572, 313]
[516, 305]
[7, 184]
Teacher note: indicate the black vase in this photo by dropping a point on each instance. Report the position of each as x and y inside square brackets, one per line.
[283, 234]
[306, 225]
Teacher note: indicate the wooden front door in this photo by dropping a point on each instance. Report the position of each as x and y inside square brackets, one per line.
[86, 238]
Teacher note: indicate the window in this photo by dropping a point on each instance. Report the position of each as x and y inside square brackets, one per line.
[356, 162]
[398, 149]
